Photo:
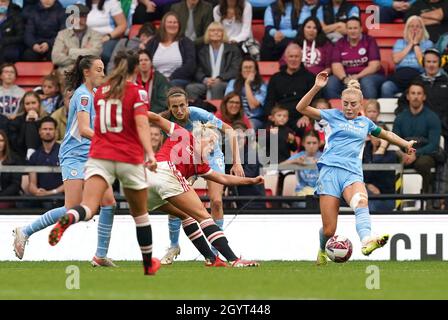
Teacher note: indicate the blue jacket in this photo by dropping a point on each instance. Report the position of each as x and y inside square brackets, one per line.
[388, 3]
[43, 24]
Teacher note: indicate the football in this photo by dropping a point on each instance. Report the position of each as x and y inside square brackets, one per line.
[339, 249]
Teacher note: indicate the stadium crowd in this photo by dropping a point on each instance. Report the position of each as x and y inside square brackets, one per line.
[209, 49]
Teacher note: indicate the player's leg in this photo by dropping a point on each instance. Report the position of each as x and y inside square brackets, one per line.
[174, 224]
[189, 203]
[137, 200]
[356, 195]
[105, 222]
[194, 233]
[215, 191]
[73, 194]
[94, 188]
[329, 210]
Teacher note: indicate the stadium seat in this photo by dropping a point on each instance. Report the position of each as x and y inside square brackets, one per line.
[258, 32]
[387, 106]
[215, 102]
[271, 181]
[268, 193]
[203, 193]
[133, 32]
[268, 69]
[387, 34]
[386, 60]
[31, 74]
[289, 185]
[412, 184]
[362, 4]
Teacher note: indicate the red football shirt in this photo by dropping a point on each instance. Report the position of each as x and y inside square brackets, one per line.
[116, 136]
[178, 149]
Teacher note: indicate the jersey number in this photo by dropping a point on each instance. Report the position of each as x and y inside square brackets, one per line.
[112, 122]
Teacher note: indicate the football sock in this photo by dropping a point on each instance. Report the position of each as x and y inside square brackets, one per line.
[220, 224]
[217, 239]
[105, 222]
[47, 219]
[363, 224]
[174, 224]
[78, 213]
[194, 233]
[144, 238]
[323, 239]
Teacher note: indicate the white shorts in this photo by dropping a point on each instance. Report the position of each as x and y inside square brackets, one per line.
[165, 183]
[131, 176]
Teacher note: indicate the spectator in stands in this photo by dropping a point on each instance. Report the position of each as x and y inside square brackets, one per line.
[232, 111]
[391, 10]
[156, 137]
[236, 17]
[148, 10]
[434, 14]
[43, 24]
[153, 81]
[281, 23]
[50, 93]
[279, 133]
[442, 46]
[107, 18]
[250, 86]
[11, 32]
[172, 54]
[23, 130]
[194, 18]
[251, 166]
[407, 54]
[336, 13]
[375, 151]
[419, 123]
[316, 49]
[10, 93]
[356, 56]
[9, 181]
[139, 42]
[311, 8]
[307, 178]
[259, 8]
[128, 7]
[290, 83]
[76, 41]
[307, 124]
[61, 115]
[218, 62]
[46, 184]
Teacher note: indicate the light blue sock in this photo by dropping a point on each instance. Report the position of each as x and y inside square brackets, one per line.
[105, 223]
[363, 224]
[47, 219]
[323, 239]
[220, 224]
[174, 225]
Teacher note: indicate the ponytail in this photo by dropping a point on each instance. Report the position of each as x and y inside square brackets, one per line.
[125, 64]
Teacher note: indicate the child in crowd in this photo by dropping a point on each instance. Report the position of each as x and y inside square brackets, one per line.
[279, 133]
[51, 96]
[319, 126]
[307, 178]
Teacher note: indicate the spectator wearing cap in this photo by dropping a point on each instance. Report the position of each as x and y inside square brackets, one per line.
[44, 21]
[139, 42]
[75, 41]
[11, 31]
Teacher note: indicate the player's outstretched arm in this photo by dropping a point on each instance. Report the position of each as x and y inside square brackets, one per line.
[304, 104]
[159, 121]
[236, 169]
[144, 135]
[398, 141]
[229, 180]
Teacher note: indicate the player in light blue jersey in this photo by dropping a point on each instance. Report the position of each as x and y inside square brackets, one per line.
[340, 166]
[180, 113]
[87, 74]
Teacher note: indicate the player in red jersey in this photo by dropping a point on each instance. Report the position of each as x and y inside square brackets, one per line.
[184, 155]
[121, 139]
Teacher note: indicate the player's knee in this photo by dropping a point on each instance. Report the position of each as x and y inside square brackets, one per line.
[359, 200]
[216, 205]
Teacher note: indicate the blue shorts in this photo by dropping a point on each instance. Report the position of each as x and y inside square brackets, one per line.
[333, 180]
[72, 169]
[217, 163]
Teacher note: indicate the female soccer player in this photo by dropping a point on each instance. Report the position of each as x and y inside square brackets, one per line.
[180, 113]
[87, 74]
[121, 139]
[340, 166]
[184, 155]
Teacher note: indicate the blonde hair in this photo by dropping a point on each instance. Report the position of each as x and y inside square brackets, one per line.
[353, 87]
[373, 102]
[422, 24]
[204, 130]
[215, 24]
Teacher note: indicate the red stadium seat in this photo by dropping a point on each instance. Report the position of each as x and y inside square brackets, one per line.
[386, 60]
[258, 32]
[387, 34]
[133, 32]
[268, 193]
[31, 74]
[215, 102]
[268, 69]
[202, 193]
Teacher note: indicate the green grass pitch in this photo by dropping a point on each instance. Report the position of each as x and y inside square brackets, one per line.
[191, 280]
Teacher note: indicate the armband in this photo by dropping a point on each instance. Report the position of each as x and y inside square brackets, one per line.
[376, 132]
